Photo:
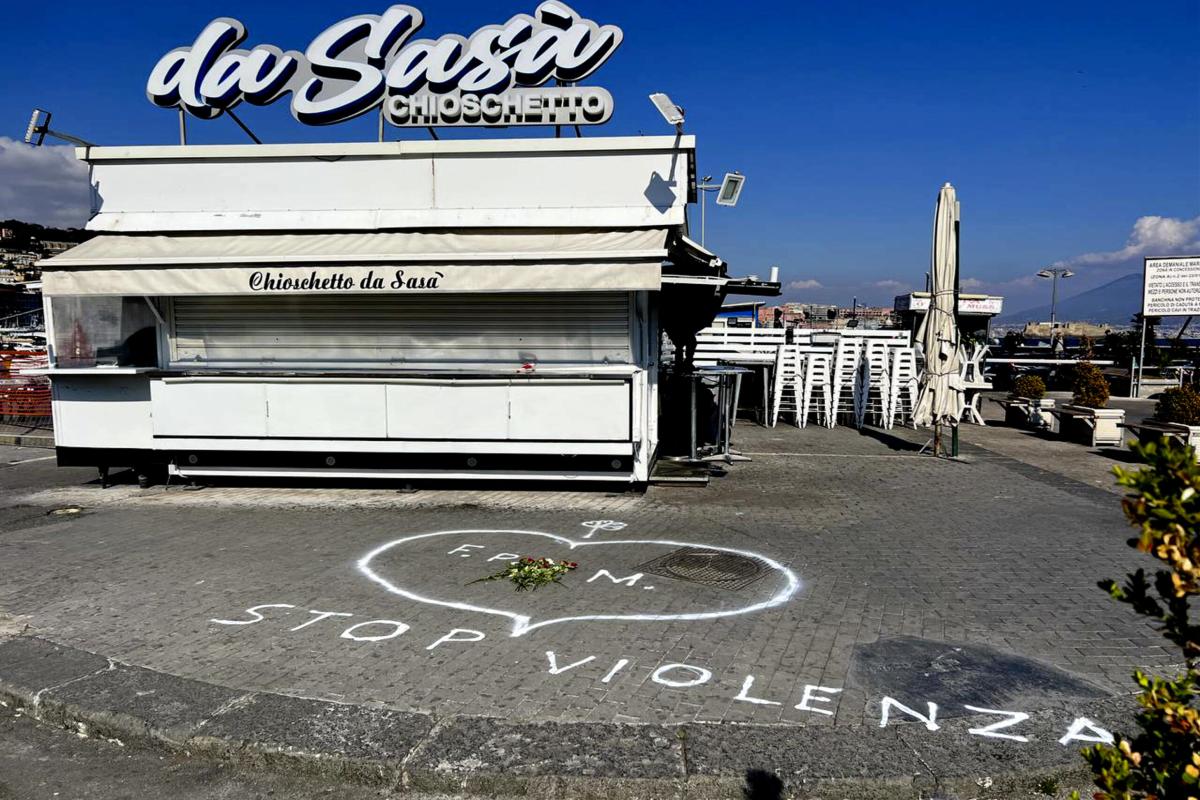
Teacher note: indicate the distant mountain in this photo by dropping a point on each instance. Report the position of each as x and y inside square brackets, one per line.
[1113, 303]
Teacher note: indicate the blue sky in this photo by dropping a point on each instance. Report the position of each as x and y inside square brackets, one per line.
[1061, 124]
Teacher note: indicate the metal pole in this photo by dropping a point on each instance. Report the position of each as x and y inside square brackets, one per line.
[1141, 365]
[1053, 301]
[957, 332]
[182, 128]
[242, 125]
[703, 206]
[692, 379]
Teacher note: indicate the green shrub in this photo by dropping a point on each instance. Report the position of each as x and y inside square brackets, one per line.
[1180, 405]
[1091, 387]
[1029, 386]
[1162, 761]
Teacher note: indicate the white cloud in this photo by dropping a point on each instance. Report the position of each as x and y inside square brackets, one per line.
[971, 283]
[1151, 236]
[46, 185]
[890, 284]
[808, 284]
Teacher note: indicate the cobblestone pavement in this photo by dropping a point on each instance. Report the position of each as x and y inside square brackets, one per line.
[920, 580]
[1049, 453]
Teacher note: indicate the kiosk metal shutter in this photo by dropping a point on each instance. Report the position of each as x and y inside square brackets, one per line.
[389, 331]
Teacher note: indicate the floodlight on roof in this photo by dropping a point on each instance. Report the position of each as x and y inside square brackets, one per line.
[39, 129]
[38, 124]
[731, 189]
[672, 113]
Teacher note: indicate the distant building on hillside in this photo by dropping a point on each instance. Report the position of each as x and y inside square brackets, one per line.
[824, 316]
[1044, 330]
[54, 248]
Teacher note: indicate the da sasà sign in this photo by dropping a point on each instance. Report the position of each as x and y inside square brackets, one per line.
[345, 281]
[497, 76]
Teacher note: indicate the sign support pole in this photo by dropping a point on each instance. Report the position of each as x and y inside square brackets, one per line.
[1141, 365]
[182, 127]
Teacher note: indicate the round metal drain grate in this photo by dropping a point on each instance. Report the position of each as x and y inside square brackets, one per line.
[707, 567]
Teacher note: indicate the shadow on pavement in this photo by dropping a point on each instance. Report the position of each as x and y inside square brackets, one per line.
[891, 441]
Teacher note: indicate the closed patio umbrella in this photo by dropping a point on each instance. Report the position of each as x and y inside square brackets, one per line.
[941, 387]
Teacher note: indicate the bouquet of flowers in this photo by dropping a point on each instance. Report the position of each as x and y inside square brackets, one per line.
[530, 574]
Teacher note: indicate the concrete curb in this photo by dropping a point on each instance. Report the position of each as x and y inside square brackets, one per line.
[21, 440]
[485, 757]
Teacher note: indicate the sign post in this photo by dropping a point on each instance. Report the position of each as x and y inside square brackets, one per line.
[1141, 360]
[1170, 288]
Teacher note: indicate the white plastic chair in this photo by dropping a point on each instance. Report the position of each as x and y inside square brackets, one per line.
[904, 384]
[788, 380]
[846, 358]
[818, 379]
[861, 392]
[878, 397]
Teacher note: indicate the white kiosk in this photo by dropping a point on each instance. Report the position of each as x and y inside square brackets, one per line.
[401, 309]
[477, 309]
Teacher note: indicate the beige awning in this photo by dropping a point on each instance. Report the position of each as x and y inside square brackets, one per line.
[503, 261]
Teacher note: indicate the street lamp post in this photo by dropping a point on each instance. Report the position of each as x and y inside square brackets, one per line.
[729, 191]
[1054, 273]
[704, 187]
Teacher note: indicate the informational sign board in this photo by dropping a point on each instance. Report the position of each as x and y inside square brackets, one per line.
[1172, 286]
[983, 306]
[373, 63]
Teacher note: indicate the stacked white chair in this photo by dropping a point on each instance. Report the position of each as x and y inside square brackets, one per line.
[818, 386]
[861, 392]
[788, 380]
[846, 357]
[878, 396]
[974, 381]
[904, 384]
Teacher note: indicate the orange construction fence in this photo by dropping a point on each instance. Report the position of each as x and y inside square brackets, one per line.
[24, 399]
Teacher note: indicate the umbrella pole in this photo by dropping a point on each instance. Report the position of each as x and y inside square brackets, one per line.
[957, 330]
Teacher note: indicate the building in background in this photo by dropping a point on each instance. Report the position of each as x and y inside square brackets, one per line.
[21, 248]
[824, 316]
[742, 315]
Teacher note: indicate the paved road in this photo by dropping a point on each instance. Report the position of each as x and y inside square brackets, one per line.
[865, 583]
[37, 761]
[882, 544]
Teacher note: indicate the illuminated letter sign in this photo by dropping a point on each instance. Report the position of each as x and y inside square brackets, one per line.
[367, 62]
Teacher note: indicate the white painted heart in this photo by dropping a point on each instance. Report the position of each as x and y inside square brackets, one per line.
[523, 624]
